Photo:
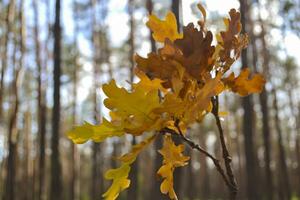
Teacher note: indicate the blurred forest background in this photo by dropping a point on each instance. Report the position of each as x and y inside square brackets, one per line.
[56, 54]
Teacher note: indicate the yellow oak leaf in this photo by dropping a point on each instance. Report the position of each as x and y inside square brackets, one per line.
[172, 158]
[132, 111]
[136, 149]
[193, 101]
[97, 133]
[243, 85]
[147, 83]
[164, 29]
[119, 176]
[120, 181]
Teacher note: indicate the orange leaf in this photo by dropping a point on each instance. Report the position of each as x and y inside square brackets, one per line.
[243, 85]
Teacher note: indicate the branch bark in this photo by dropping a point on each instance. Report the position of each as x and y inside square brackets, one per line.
[227, 158]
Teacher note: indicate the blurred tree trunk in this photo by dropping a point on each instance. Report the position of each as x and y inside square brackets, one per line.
[13, 132]
[8, 24]
[284, 176]
[97, 179]
[75, 156]
[204, 171]
[263, 100]
[296, 128]
[248, 121]
[56, 171]
[133, 176]
[131, 40]
[41, 106]
[27, 177]
[298, 148]
[97, 187]
[241, 183]
[190, 189]
[149, 6]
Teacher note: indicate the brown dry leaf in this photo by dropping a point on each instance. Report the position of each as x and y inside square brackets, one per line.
[243, 85]
[197, 51]
[156, 66]
[231, 40]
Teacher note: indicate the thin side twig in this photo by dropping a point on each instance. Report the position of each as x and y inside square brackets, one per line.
[227, 158]
[201, 150]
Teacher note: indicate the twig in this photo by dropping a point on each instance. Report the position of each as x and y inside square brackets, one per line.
[226, 156]
[200, 149]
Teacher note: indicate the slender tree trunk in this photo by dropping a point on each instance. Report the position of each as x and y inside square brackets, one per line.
[8, 23]
[10, 192]
[248, 121]
[131, 38]
[284, 176]
[56, 171]
[133, 190]
[27, 162]
[27, 116]
[296, 130]
[298, 149]
[237, 141]
[75, 156]
[41, 106]
[204, 171]
[97, 182]
[190, 186]
[263, 99]
[149, 5]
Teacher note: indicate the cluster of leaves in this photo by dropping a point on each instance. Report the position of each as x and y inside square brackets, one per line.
[175, 90]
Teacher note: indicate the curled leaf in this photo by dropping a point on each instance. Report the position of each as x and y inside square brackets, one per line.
[202, 22]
